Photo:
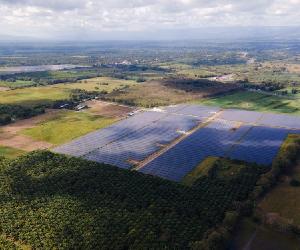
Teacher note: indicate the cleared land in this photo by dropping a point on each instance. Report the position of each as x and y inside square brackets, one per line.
[108, 109]
[169, 91]
[10, 137]
[4, 88]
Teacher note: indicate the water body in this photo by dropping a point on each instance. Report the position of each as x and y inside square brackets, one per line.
[24, 69]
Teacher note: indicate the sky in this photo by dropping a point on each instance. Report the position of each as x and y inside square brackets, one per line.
[130, 19]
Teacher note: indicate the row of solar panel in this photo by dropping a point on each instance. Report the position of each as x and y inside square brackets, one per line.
[260, 145]
[212, 140]
[139, 136]
[137, 146]
[259, 118]
[220, 138]
[117, 131]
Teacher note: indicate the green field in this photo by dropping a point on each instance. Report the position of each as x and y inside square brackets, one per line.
[215, 167]
[97, 84]
[255, 101]
[10, 153]
[15, 84]
[33, 96]
[67, 125]
[199, 171]
[47, 94]
[288, 205]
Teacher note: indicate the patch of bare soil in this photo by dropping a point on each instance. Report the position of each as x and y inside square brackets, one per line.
[28, 123]
[4, 88]
[24, 143]
[108, 109]
[9, 134]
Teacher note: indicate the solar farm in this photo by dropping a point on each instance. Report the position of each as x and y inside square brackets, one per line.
[170, 142]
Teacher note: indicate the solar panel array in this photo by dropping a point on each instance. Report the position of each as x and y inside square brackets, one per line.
[213, 140]
[245, 135]
[260, 145]
[287, 121]
[241, 115]
[136, 137]
[264, 119]
[143, 142]
[117, 131]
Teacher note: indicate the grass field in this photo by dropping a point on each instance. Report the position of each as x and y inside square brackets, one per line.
[251, 236]
[201, 170]
[288, 205]
[15, 84]
[219, 167]
[33, 96]
[151, 94]
[43, 95]
[97, 84]
[196, 73]
[284, 199]
[67, 125]
[255, 101]
[10, 153]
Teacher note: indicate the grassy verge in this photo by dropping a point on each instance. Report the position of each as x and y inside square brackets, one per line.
[201, 170]
[255, 101]
[10, 153]
[67, 125]
[215, 167]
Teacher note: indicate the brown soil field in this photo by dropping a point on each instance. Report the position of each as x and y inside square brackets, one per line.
[24, 143]
[108, 109]
[9, 134]
[4, 88]
[171, 91]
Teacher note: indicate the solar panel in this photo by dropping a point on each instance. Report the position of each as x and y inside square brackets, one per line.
[241, 115]
[231, 135]
[213, 140]
[142, 143]
[260, 145]
[280, 120]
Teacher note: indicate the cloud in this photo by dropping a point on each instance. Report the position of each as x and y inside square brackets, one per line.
[75, 18]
